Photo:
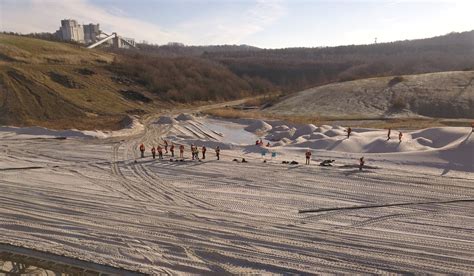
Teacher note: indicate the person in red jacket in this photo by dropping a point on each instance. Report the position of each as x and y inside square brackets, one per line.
[204, 152]
[142, 150]
[181, 151]
[172, 150]
[308, 156]
[160, 152]
[153, 152]
[166, 146]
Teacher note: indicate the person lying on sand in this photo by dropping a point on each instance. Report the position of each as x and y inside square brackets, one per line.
[327, 163]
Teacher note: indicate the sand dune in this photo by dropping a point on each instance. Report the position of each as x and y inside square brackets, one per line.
[96, 200]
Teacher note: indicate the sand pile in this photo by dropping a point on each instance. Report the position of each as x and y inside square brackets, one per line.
[258, 126]
[185, 117]
[304, 130]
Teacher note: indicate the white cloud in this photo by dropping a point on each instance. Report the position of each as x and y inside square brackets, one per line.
[225, 29]
[26, 16]
[44, 16]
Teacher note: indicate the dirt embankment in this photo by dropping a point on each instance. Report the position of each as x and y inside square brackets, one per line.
[440, 95]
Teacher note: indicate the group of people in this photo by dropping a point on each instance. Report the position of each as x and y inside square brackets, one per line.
[400, 134]
[194, 151]
[260, 143]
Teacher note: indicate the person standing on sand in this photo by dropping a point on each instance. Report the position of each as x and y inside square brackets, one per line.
[160, 152]
[361, 163]
[308, 156]
[142, 150]
[218, 152]
[388, 134]
[204, 152]
[349, 131]
[400, 135]
[172, 150]
[181, 151]
[196, 153]
[166, 146]
[472, 126]
[153, 152]
[192, 152]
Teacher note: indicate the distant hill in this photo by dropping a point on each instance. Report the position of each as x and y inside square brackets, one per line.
[62, 85]
[444, 95]
[294, 69]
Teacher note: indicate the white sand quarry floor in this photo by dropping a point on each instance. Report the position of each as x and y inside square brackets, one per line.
[89, 199]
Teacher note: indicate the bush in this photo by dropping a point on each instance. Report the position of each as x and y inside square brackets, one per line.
[399, 103]
[395, 81]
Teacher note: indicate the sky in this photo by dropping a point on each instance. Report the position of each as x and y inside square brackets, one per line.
[261, 23]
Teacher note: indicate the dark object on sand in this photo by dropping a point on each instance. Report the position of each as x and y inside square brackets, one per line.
[235, 160]
[285, 162]
[244, 161]
[294, 163]
[327, 163]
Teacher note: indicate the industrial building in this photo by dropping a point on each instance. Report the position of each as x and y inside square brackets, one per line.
[90, 34]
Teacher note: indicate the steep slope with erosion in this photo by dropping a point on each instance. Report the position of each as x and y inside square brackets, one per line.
[441, 95]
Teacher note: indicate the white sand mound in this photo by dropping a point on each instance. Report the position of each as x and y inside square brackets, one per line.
[381, 145]
[258, 126]
[460, 156]
[278, 135]
[424, 141]
[185, 117]
[303, 130]
[316, 136]
[334, 133]
[440, 136]
[299, 140]
[165, 120]
[281, 128]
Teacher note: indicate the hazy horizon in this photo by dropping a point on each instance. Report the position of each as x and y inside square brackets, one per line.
[263, 24]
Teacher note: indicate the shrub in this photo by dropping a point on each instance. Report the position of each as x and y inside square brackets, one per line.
[398, 103]
[395, 81]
